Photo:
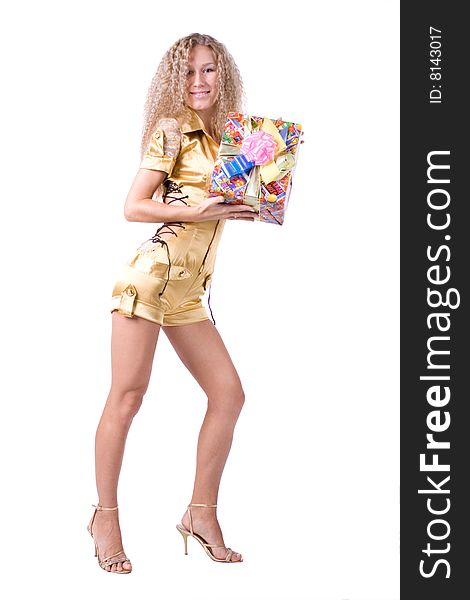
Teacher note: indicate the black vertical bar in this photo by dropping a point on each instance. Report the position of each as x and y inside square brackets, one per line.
[434, 257]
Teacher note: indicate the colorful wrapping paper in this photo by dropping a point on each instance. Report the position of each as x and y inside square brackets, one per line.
[256, 161]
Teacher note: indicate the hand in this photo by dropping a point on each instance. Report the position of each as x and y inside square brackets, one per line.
[215, 208]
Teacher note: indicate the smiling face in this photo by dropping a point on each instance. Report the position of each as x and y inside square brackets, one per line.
[201, 81]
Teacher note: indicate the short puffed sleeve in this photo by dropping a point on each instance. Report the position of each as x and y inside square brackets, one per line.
[163, 148]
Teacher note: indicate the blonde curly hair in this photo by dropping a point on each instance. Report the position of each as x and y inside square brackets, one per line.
[165, 97]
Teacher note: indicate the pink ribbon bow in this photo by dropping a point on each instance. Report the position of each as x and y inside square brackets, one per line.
[259, 147]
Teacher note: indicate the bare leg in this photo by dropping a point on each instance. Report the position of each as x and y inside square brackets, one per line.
[133, 344]
[203, 352]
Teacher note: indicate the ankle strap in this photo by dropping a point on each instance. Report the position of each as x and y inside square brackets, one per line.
[99, 507]
[190, 515]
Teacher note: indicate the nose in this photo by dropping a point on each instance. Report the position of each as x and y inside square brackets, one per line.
[199, 78]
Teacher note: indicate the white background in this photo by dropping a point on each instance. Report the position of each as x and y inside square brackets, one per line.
[308, 311]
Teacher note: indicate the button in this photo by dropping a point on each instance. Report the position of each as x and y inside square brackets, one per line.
[130, 292]
[157, 134]
[181, 273]
[271, 198]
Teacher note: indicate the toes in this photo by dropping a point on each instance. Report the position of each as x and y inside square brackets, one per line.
[124, 566]
[119, 567]
[236, 556]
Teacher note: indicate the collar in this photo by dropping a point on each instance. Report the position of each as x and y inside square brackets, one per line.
[192, 122]
[187, 121]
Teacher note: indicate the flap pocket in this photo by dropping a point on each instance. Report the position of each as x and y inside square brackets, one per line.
[127, 301]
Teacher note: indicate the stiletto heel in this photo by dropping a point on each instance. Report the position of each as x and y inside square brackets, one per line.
[185, 538]
[114, 558]
[207, 547]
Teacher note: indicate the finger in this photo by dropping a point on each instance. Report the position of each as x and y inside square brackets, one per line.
[242, 218]
[243, 207]
[244, 215]
[235, 207]
[216, 199]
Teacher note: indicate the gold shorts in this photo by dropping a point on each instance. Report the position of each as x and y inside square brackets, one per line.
[164, 282]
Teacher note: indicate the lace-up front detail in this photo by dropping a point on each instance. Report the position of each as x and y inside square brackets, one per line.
[170, 188]
[173, 193]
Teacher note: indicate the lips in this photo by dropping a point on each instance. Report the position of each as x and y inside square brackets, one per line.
[199, 94]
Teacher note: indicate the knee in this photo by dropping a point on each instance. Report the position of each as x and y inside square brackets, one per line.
[230, 398]
[241, 397]
[126, 403]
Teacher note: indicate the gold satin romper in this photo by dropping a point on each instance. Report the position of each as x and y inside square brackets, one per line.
[166, 277]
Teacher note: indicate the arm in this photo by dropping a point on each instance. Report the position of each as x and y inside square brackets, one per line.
[157, 164]
[139, 205]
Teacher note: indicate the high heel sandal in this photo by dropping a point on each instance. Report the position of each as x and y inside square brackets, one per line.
[109, 560]
[185, 533]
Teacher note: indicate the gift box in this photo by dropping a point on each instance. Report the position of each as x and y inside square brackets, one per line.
[255, 164]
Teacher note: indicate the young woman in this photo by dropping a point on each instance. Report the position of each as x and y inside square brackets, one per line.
[196, 84]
